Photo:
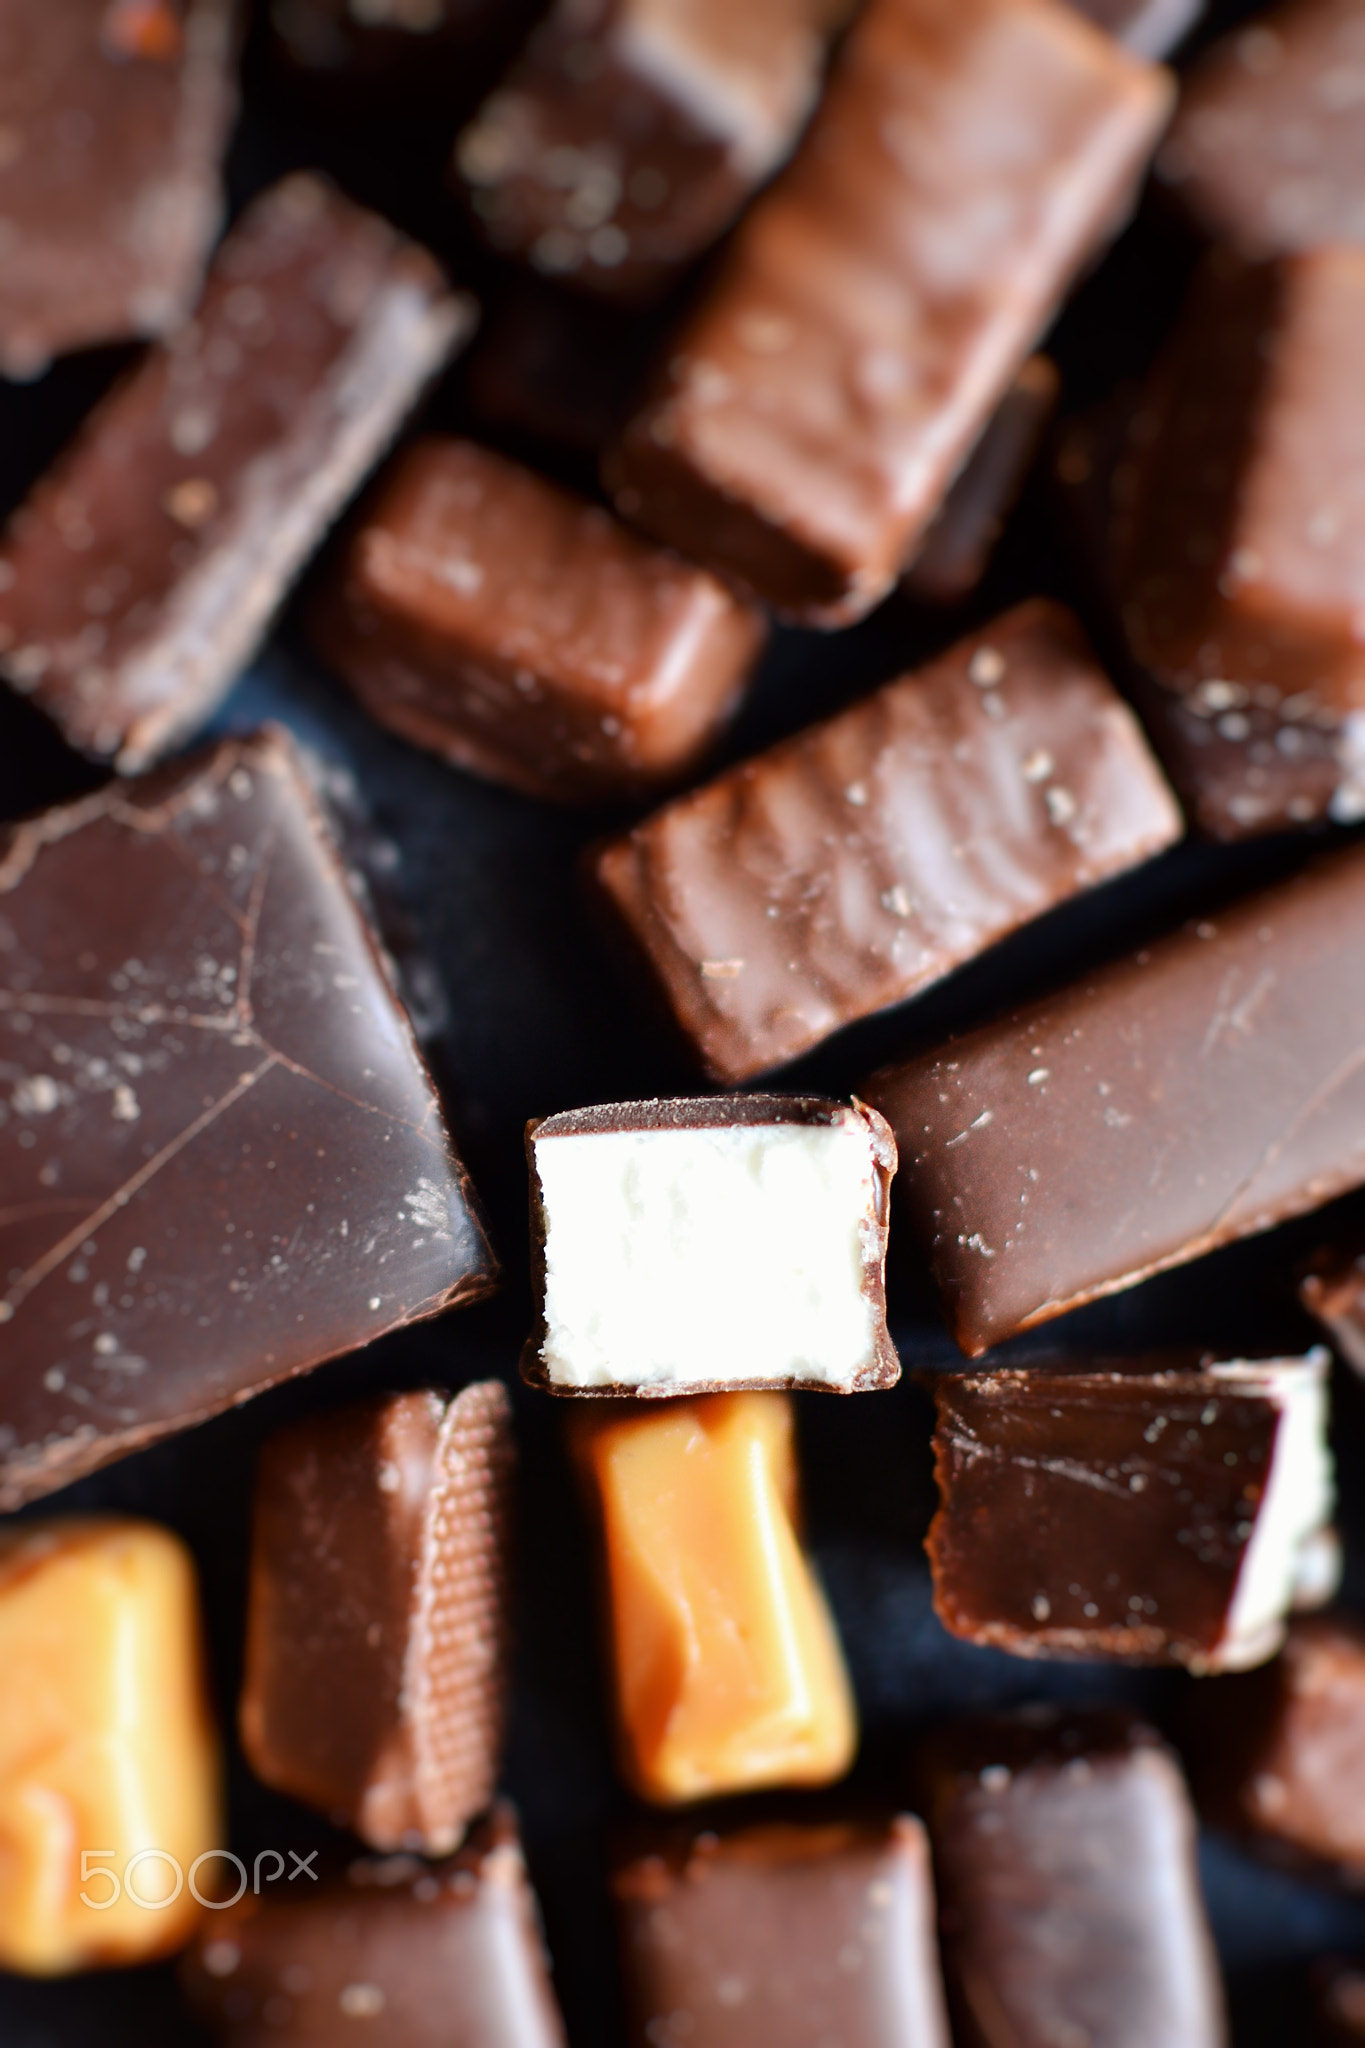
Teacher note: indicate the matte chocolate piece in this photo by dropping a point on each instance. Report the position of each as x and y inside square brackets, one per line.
[1149, 28]
[144, 568]
[1132, 1511]
[113, 117]
[726, 1243]
[221, 1157]
[1334, 1292]
[1070, 1908]
[446, 1955]
[377, 1630]
[1267, 149]
[557, 367]
[794, 1934]
[877, 304]
[630, 132]
[519, 631]
[852, 866]
[1204, 1088]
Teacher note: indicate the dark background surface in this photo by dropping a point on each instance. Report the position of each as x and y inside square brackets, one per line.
[536, 1022]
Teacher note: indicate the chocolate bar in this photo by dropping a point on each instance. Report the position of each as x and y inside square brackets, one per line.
[1070, 1909]
[221, 1156]
[377, 1628]
[1201, 1089]
[1334, 1292]
[114, 115]
[689, 1247]
[517, 630]
[1130, 1510]
[854, 865]
[951, 560]
[785, 1934]
[814, 409]
[1149, 28]
[144, 568]
[630, 132]
[443, 1955]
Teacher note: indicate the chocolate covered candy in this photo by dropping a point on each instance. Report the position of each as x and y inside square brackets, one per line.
[396, 1953]
[814, 409]
[952, 558]
[1133, 1511]
[1203, 1088]
[221, 1157]
[789, 1934]
[1334, 1292]
[518, 630]
[685, 1247]
[853, 865]
[377, 1630]
[144, 568]
[1064, 1857]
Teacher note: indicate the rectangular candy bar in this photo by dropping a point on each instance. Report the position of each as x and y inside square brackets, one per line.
[877, 304]
[687, 1247]
[517, 630]
[952, 558]
[1131, 1510]
[783, 1935]
[144, 568]
[377, 1626]
[1064, 1855]
[852, 866]
[1334, 1292]
[221, 1157]
[114, 115]
[1206, 1087]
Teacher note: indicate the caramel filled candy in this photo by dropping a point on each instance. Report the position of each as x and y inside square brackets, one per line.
[728, 1671]
[108, 1757]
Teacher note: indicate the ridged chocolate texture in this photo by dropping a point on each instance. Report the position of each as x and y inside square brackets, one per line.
[1267, 149]
[952, 558]
[1149, 28]
[1204, 1088]
[445, 1955]
[113, 117]
[877, 304]
[144, 568]
[377, 1633]
[221, 1157]
[852, 866]
[522, 632]
[1334, 1292]
[1070, 1908]
[782, 1936]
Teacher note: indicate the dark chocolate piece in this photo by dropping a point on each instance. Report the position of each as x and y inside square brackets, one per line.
[1149, 28]
[556, 367]
[1204, 1088]
[1064, 1854]
[812, 413]
[113, 117]
[144, 568]
[519, 631]
[221, 1157]
[1132, 1510]
[795, 1935]
[1334, 1292]
[850, 867]
[445, 1955]
[377, 1631]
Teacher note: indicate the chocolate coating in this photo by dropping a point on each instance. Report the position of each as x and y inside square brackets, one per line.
[952, 558]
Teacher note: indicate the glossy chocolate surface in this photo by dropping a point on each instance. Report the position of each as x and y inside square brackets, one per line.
[953, 556]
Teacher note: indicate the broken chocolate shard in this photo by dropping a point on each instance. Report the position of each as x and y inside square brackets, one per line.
[222, 1159]
[686, 1247]
[144, 568]
[377, 1629]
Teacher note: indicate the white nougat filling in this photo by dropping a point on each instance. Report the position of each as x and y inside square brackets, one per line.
[679, 1256]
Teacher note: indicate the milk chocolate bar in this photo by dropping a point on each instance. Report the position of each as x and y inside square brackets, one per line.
[444, 1955]
[816, 406]
[141, 573]
[1131, 1510]
[630, 132]
[852, 866]
[1149, 28]
[952, 558]
[1334, 1292]
[377, 1628]
[114, 115]
[221, 1156]
[1201, 1089]
[783, 1935]
[519, 631]
[1070, 1909]
[687, 1247]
